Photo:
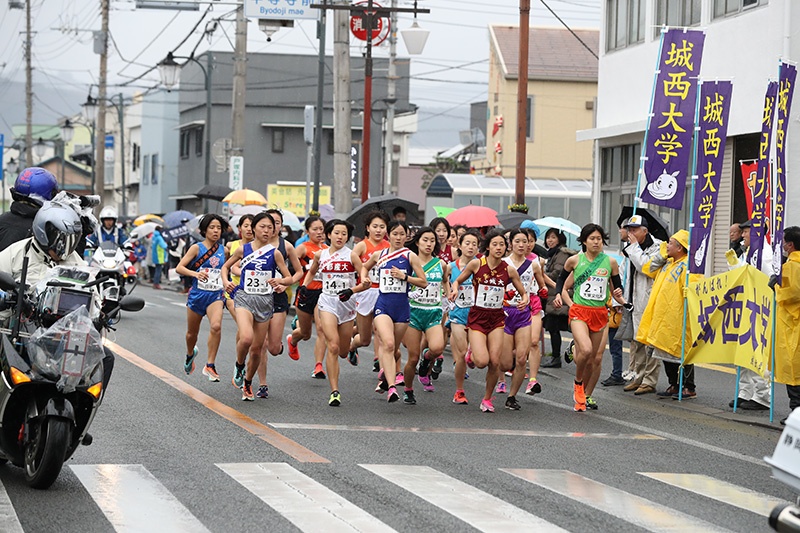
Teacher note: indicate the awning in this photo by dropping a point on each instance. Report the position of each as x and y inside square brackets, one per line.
[300, 125]
[182, 196]
[192, 124]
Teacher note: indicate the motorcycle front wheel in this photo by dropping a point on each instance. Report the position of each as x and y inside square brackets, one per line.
[44, 454]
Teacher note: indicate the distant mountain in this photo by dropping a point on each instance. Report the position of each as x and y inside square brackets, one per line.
[49, 104]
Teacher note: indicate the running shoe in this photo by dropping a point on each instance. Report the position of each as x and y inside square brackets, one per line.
[263, 392]
[580, 398]
[294, 352]
[399, 379]
[280, 352]
[569, 355]
[247, 393]
[468, 358]
[513, 404]
[437, 367]
[424, 364]
[188, 366]
[376, 365]
[408, 398]
[238, 377]
[591, 403]
[294, 323]
[501, 387]
[352, 356]
[392, 395]
[460, 398]
[318, 373]
[533, 387]
[427, 385]
[486, 406]
[466, 375]
[335, 400]
[210, 372]
[383, 385]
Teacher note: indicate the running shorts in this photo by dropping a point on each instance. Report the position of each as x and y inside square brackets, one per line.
[536, 305]
[485, 320]
[458, 315]
[310, 303]
[424, 318]
[396, 308]
[365, 301]
[516, 319]
[343, 311]
[260, 305]
[596, 318]
[280, 302]
[198, 301]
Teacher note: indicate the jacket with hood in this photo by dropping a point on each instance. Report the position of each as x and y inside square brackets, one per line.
[15, 224]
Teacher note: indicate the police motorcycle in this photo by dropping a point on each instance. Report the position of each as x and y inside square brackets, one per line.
[785, 464]
[113, 262]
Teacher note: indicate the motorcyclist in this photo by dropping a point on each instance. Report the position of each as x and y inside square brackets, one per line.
[32, 188]
[57, 231]
[109, 231]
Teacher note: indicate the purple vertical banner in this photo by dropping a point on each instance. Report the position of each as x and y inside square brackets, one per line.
[715, 105]
[668, 145]
[759, 216]
[788, 74]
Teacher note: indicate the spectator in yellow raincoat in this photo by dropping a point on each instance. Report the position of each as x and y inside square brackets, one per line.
[787, 334]
[662, 320]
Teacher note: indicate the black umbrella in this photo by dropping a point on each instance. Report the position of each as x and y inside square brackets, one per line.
[513, 220]
[214, 192]
[386, 203]
[656, 225]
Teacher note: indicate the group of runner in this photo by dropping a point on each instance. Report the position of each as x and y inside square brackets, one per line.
[417, 288]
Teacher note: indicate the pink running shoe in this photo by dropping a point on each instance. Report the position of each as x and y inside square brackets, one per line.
[501, 387]
[468, 358]
[486, 406]
[399, 379]
[427, 386]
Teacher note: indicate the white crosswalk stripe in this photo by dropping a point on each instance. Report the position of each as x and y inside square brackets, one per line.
[9, 523]
[479, 509]
[721, 491]
[134, 500]
[303, 501]
[629, 507]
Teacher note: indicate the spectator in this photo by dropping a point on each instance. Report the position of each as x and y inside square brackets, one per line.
[787, 293]
[158, 255]
[399, 213]
[555, 320]
[615, 315]
[735, 234]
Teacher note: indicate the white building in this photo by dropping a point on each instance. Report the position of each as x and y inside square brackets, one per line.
[745, 39]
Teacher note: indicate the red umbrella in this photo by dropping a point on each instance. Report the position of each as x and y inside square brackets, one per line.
[473, 216]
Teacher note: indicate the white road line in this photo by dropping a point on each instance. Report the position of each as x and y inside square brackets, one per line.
[9, 523]
[134, 500]
[306, 503]
[151, 304]
[179, 304]
[479, 509]
[721, 491]
[618, 503]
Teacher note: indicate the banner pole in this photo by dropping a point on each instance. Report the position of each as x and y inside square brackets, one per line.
[736, 398]
[649, 120]
[772, 367]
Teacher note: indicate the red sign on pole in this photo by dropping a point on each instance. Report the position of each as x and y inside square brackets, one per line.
[358, 26]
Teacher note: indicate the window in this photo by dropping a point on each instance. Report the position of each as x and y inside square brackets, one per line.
[154, 169]
[678, 13]
[146, 170]
[731, 7]
[625, 24]
[198, 141]
[620, 169]
[330, 142]
[136, 157]
[277, 141]
[184, 144]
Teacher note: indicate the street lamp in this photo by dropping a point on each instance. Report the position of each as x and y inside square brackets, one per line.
[11, 167]
[39, 148]
[90, 109]
[67, 131]
[170, 70]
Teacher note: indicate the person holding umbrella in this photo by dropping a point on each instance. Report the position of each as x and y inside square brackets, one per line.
[555, 319]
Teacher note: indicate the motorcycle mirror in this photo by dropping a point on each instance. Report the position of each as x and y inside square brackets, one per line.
[131, 303]
[7, 282]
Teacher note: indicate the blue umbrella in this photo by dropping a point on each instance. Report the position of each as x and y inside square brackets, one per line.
[571, 230]
[176, 218]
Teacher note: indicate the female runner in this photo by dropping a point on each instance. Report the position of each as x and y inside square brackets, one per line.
[392, 309]
[339, 267]
[537, 312]
[594, 274]
[306, 303]
[486, 318]
[245, 235]
[518, 322]
[202, 262]
[376, 223]
[253, 297]
[426, 314]
[447, 253]
[468, 245]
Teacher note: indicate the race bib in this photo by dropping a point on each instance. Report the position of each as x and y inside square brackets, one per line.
[390, 284]
[490, 296]
[594, 289]
[466, 296]
[430, 295]
[257, 282]
[213, 282]
[335, 282]
[375, 274]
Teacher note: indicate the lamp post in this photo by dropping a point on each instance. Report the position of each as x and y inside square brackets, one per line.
[90, 112]
[67, 131]
[169, 69]
[90, 115]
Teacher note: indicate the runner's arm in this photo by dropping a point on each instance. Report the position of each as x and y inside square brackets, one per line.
[568, 284]
[469, 270]
[540, 281]
[366, 267]
[312, 270]
[446, 279]
[365, 282]
[418, 279]
[616, 282]
[234, 258]
[295, 262]
[287, 279]
[513, 276]
[182, 269]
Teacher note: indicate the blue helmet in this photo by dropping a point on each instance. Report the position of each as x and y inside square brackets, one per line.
[37, 184]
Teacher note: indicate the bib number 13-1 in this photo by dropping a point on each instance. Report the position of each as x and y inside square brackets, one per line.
[390, 284]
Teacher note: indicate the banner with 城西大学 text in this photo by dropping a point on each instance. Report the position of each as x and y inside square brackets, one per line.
[760, 217]
[730, 319]
[788, 74]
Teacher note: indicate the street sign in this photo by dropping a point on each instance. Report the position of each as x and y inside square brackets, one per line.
[109, 141]
[280, 9]
[308, 124]
[380, 26]
[236, 175]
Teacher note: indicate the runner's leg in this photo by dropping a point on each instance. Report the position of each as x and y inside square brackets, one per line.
[214, 313]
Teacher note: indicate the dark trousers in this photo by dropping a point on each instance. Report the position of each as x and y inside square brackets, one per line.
[555, 342]
[615, 347]
[794, 396]
[673, 375]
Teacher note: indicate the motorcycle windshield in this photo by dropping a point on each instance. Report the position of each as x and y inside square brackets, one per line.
[69, 353]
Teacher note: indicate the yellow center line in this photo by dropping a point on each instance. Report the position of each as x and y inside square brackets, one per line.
[265, 433]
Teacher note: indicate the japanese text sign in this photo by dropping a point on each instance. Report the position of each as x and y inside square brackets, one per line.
[785, 91]
[760, 215]
[293, 197]
[668, 142]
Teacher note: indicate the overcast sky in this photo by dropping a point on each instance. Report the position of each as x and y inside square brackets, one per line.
[449, 75]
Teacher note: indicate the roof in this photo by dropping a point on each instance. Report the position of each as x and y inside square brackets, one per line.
[45, 131]
[553, 53]
[445, 185]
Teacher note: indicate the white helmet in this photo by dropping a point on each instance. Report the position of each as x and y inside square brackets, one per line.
[108, 212]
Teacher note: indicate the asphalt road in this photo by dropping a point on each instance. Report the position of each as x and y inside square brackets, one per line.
[173, 452]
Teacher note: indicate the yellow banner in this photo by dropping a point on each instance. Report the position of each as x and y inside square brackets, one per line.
[293, 197]
[730, 318]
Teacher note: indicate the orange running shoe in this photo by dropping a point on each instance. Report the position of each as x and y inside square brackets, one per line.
[460, 398]
[580, 398]
[294, 352]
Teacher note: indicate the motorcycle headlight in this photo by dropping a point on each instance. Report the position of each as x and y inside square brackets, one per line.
[109, 263]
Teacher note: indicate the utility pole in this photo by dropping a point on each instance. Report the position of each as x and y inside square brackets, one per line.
[28, 88]
[342, 119]
[100, 140]
[239, 81]
[321, 27]
[391, 99]
[522, 99]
